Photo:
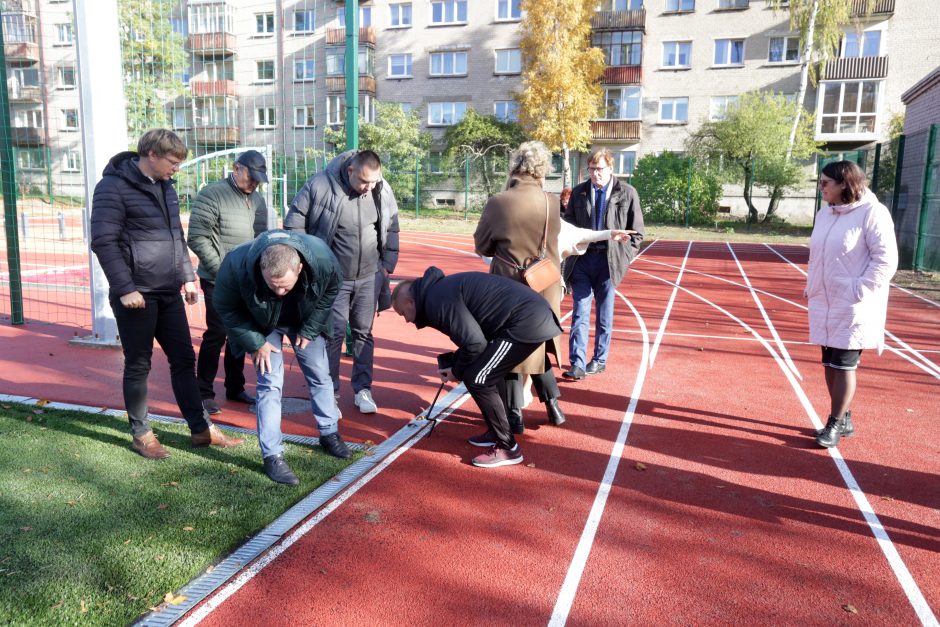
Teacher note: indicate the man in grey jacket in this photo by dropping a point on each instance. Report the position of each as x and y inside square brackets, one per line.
[353, 210]
[225, 214]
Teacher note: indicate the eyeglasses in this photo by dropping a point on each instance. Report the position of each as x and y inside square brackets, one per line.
[598, 168]
[173, 162]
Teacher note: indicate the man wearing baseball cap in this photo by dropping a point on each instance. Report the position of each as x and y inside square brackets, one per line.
[224, 215]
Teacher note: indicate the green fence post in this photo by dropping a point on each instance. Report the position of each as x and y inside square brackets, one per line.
[688, 194]
[466, 187]
[417, 186]
[920, 246]
[8, 174]
[899, 166]
[875, 171]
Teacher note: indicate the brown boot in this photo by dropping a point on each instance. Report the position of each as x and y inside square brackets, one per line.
[148, 446]
[214, 436]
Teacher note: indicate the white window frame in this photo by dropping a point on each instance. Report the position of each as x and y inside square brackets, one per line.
[265, 118]
[510, 113]
[677, 48]
[732, 5]
[454, 7]
[508, 11]
[729, 42]
[678, 8]
[335, 109]
[862, 38]
[787, 39]
[72, 161]
[718, 106]
[28, 118]
[635, 96]
[674, 103]
[265, 63]
[509, 55]
[64, 116]
[304, 64]
[308, 21]
[35, 158]
[455, 62]
[66, 29]
[446, 113]
[60, 77]
[821, 115]
[217, 17]
[405, 61]
[305, 117]
[620, 158]
[265, 24]
[365, 16]
[397, 15]
[626, 5]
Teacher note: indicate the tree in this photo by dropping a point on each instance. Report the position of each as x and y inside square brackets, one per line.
[667, 181]
[753, 140]
[397, 138]
[484, 140]
[153, 59]
[561, 73]
[819, 23]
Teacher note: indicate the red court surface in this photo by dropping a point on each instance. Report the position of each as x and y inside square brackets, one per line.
[685, 487]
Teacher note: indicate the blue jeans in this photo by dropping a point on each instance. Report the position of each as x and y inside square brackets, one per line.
[590, 279]
[316, 370]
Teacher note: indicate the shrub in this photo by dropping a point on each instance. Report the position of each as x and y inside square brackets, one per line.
[663, 183]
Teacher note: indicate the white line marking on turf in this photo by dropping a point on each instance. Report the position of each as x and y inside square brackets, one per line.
[576, 569]
[923, 298]
[672, 298]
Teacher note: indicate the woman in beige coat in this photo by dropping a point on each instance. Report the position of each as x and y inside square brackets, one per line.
[511, 231]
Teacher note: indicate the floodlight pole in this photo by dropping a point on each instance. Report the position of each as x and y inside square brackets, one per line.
[352, 74]
[104, 131]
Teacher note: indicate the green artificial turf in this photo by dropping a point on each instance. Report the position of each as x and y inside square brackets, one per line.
[93, 534]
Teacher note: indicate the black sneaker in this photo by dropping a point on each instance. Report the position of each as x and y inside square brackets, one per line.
[334, 445]
[846, 428]
[278, 471]
[484, 440]
[595, 367]
[576, 373]
[831, 433]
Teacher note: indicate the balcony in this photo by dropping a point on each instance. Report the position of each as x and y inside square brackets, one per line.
[623, 75]
[25, 94]
[27, 136]
[212, 44]
[881, 8]
[23, 52]
[337, 84]
[216, 136]
[619, 20]
[856, 68]
[606, 130]
[338, 35]
[209, 89]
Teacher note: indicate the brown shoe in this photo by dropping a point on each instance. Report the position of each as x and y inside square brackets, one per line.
[148, 446]
[214, 436]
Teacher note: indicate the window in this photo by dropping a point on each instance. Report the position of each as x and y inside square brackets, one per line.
[28, 118]
[264, 23]
[400, 15]
[445, 113]
[336, 62]
[19, 28]
[621, 103]
[179, 25]
[733, 4]
[627, 5]
[448, 64]
[864, 44]
[304, 21]
[506, 110]
[729, 52]
[784, 50]
[719, 105]
[508, 10]
[264, 117]
[674, 110]
[66, 75]
[63, 35]
[265, 71]
[336, 109]
[212, 18]
[69, 119]
[179, 119]
[399, 65]
[72, 161]
[304, 70]
[625, 162]
[406, 107]
[620, 47]
[677, 54]
[31, 158]
[436, 163]
[448, 12]
[365, 17]
[676, 6]
[23, 78]
[849, 107]
[305, 117]
[509, 61]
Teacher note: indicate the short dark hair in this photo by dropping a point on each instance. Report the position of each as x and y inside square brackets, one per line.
[850, 174]
[161, 142]
[403, 288]
[278, 259]
[365, 158]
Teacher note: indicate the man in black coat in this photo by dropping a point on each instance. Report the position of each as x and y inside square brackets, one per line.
[138, 238]
[601, 203]
[496, 323]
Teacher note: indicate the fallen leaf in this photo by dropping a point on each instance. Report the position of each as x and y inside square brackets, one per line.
[128, 541]
[26, 471]
[848, 607]
[42, 402]
[322, 571]
[29, 418]
[209, 569]
[887, 498]
[162, 506]
[173, 599]
[25, 529]
[369, 443]
[213, 512]
[640, 466]
[57, 605]
[84, 609]
[531, 465]
[76, 455]
[188, 529]
[7, 406]
[158, 558]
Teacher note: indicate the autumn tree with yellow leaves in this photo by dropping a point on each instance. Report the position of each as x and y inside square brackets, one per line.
[561, 73]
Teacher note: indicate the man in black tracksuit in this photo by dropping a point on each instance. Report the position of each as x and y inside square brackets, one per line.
[496, 323]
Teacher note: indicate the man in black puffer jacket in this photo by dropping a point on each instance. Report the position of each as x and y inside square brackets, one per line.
[496, 323]
[138, 239]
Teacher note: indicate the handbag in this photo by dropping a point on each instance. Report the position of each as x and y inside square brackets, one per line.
[541, 273]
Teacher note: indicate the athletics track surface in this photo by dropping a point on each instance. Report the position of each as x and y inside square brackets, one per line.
[684, 488]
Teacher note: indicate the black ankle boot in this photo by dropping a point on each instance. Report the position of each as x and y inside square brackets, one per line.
[515, 421]
[555, 415]
[832, 432]
[846, 428]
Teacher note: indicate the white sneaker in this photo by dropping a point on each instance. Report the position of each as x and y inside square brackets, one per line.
[364, 401]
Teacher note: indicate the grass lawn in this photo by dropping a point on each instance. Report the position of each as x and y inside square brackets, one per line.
[93, 534]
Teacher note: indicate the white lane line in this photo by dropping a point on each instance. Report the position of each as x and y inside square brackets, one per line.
[576, 569]
[672, 298]
[923, 298]
[763, 312]
[920, 354]
[265, 560]
[450, 249]
[901, 573]
[774, 251]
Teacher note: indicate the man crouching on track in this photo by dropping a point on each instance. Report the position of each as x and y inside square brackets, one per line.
[496, 323]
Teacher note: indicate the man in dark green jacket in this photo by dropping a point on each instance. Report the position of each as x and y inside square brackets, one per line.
[224, 215]
[283, 285]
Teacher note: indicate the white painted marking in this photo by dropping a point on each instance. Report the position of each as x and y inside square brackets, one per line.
[672, 298]
[923, 298]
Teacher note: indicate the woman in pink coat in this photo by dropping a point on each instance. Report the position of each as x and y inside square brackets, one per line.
[852, 257]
